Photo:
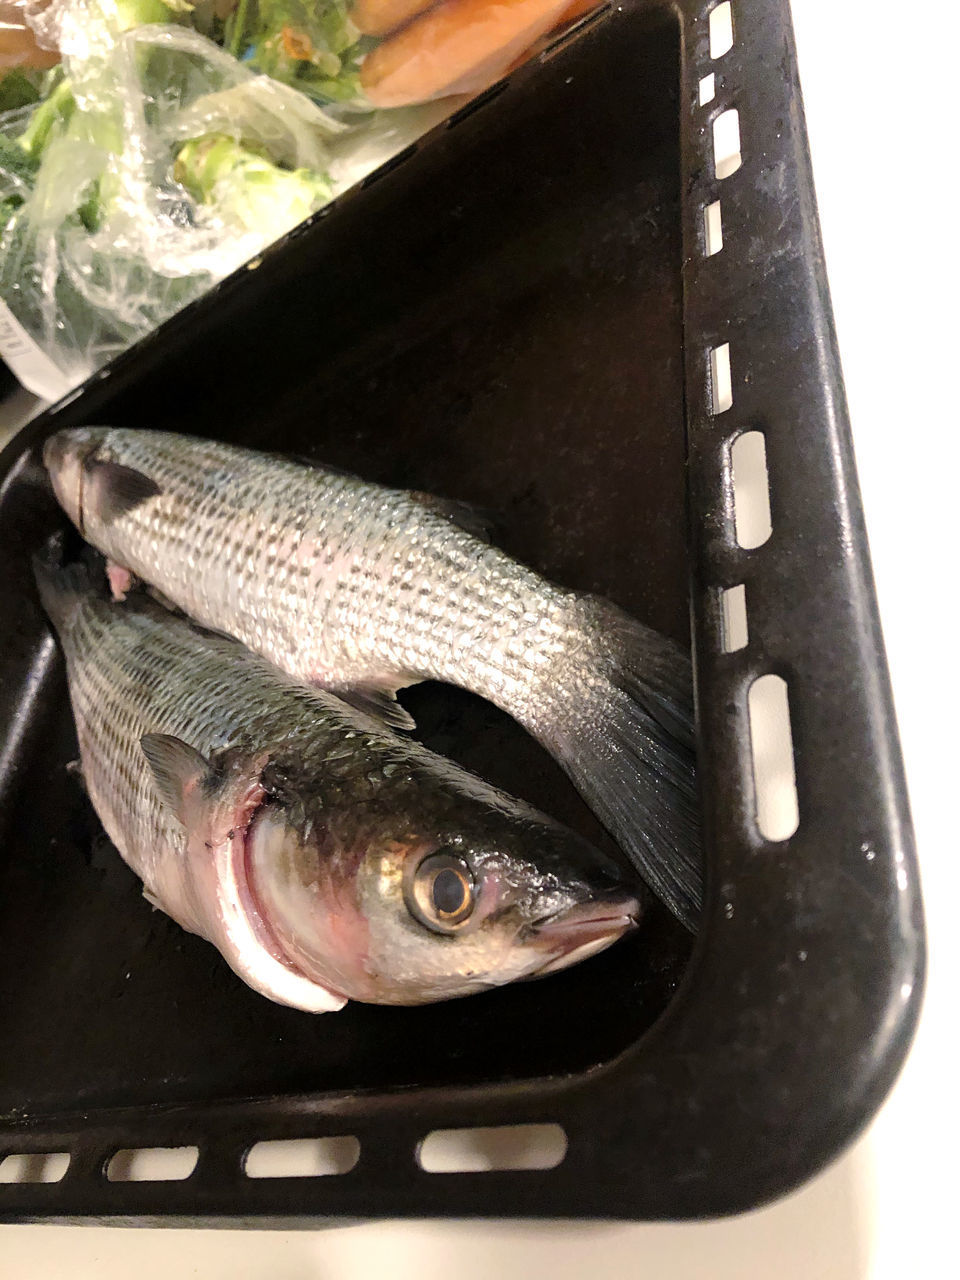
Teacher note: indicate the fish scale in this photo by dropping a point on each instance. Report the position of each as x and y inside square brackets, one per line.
[323, 624]
[364, 590]
[138, 671]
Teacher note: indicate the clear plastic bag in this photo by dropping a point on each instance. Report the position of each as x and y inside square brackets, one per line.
[147, 155]
[155, 166]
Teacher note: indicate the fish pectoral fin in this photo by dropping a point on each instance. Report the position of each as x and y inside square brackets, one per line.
[471, 519]
[178, 769]
[112, 490]
[379, 703]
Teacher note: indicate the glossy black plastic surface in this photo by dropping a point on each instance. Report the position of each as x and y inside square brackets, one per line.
[519, 315]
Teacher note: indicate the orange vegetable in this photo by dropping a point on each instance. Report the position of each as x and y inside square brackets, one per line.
[18, 44]
[296, 44]
[461, 46]
[565, 19]
[576, 10]
[377, 17]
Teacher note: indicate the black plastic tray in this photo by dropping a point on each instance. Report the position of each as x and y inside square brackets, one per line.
[517, 312]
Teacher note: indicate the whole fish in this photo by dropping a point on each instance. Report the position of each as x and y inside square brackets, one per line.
[326, 857]
[355, 587]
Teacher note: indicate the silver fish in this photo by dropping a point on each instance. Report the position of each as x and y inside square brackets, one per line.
[359, 588]
[326, 857]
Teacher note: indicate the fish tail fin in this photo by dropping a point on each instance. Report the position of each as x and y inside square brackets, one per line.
[61, 586]
[624, 731]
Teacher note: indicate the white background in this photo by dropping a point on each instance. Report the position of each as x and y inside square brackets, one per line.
[876, 82]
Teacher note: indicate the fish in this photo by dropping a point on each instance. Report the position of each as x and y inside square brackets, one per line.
[327, 857]
[364, 590]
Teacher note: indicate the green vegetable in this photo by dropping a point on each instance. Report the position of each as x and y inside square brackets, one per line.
[247, 187]
[109, 221]
[237, 27]
[91, 325]
[20, 87]
[53, 111]
[138, 13]
[18, 172]
[16, 162]
[309, 44]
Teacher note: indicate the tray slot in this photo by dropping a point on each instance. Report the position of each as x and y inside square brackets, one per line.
[751, 490]
[476, 103]
[712, 229]
[34, 1166]
[771, 742]
[721, 386]
[152, 1164]
[721, 29]
[727, 156]
[733, 618]
[302, 1157]
[511, 1146]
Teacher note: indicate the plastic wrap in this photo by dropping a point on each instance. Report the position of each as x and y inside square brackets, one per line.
[151, 147]
[311, 45]
[150, 171]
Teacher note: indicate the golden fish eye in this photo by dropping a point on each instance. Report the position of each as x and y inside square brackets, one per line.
[443, 891]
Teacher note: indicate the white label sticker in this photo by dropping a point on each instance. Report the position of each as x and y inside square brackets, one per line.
[27, 362]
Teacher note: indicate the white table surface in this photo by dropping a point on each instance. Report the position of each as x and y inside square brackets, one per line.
[877, 82]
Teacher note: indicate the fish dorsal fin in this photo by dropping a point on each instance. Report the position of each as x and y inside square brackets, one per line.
[464, 515]
[178, 769]
[379, 703]
[112, 490]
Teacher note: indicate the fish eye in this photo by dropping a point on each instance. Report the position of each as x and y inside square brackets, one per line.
[443, 891]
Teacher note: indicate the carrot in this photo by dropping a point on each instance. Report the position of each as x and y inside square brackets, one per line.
[565, 19]
[18, 43]
[378, 17]
[576, 10]
[296, 44]
[461, 46]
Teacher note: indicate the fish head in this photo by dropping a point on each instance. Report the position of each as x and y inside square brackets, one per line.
[403, 884]
[65, 455]
[405, 913]
[91, 480]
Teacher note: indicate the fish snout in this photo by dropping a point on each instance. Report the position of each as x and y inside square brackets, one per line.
[573, 933]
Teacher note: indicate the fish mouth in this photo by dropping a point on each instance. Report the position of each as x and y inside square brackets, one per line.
[584, 930]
